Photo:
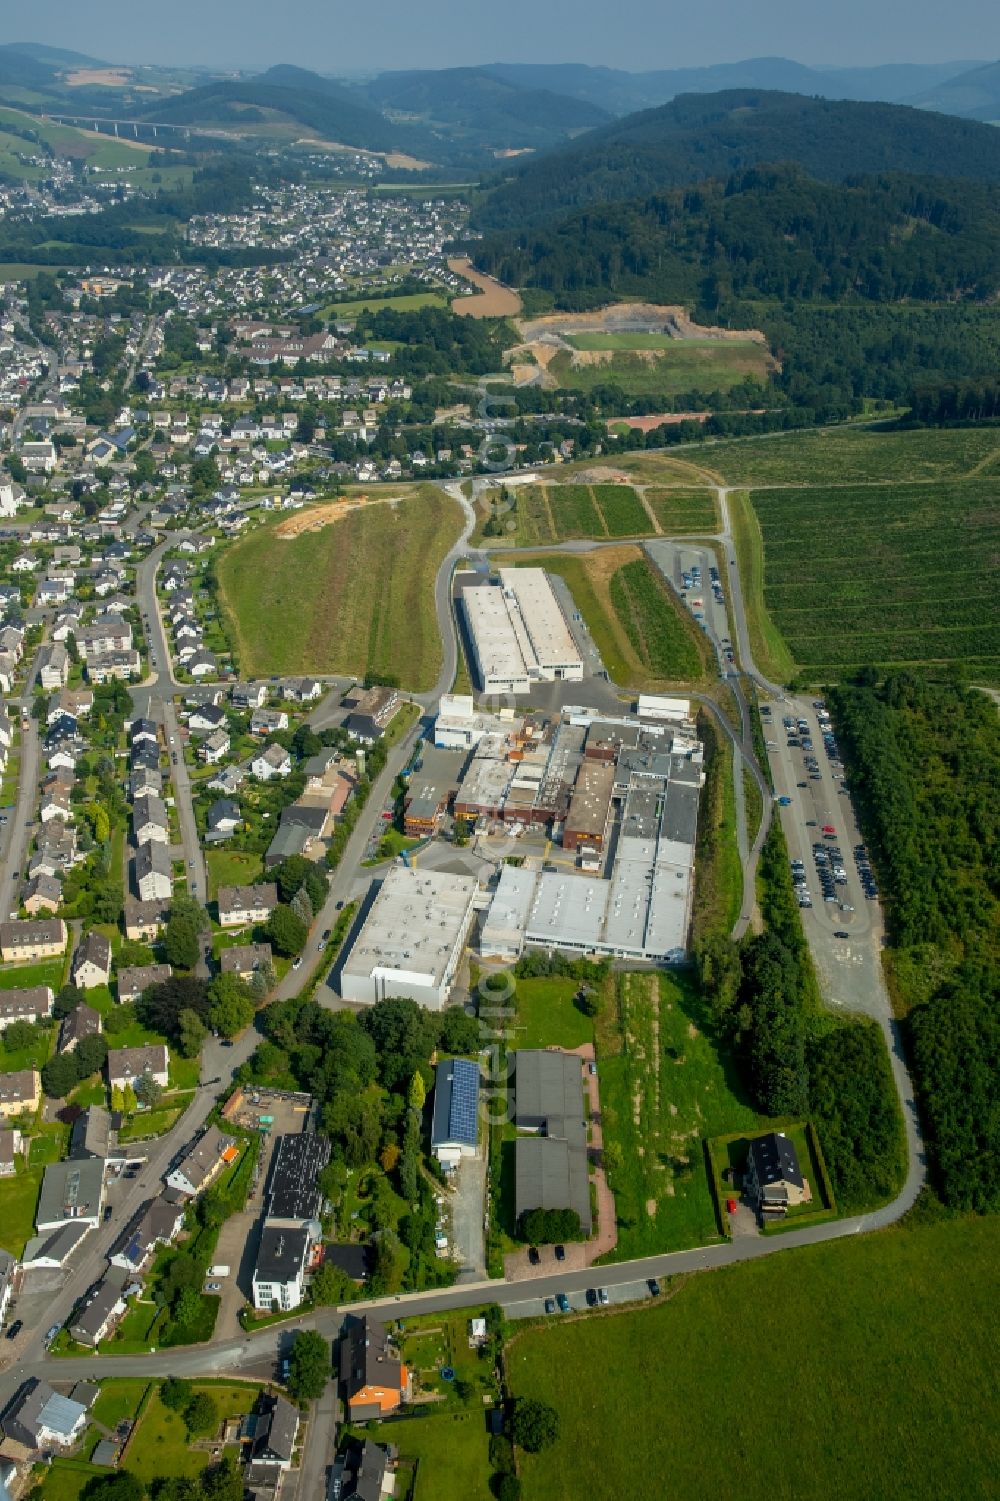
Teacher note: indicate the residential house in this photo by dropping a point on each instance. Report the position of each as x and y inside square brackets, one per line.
[239, 906]
[246, 959]
[773, 1180]
[267, 721]
[214, 747]
[12, 1145]
[223, 817]
[32, 1003]
[150, 820]
[99, 1315]
[53, 667]
[204, 1161]
[92, 962]
[206, 718]
[273, 761]
[153, 873]
[248, 695]
[43, 894]
[360, 1473]
[144, 920]
[83, 1021]
[280, 1269]
[71, 1191]
[274, 1432]
[127, 1065]
[372, 712]
[41, 938]
[135, 979]
[374, 1381]
[39, 1418]
[156, 1224]
[91, 1134]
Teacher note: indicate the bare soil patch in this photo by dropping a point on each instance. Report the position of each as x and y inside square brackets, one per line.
[493, 300]
[107, 78]
[314, 518]
[634, 317]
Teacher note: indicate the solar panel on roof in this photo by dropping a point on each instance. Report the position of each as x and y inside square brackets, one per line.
[464, 1100]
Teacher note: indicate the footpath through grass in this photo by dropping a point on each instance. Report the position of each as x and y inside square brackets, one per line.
[878, 1351]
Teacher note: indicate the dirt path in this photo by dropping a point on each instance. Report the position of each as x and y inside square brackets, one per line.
[314, 518]
[493, 300]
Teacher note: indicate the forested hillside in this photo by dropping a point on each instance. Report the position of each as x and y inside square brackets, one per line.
[333, 112]
[924, 765]
[493, 109]
[699, 136]
[768, 233]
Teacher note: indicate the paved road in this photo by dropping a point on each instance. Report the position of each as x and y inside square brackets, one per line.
[258, 1352]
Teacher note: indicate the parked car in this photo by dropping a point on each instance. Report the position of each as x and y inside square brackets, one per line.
[533, 1256]
[560, 1253]
[550, 1305]
[654, 1287]
[297, 962]
[563, 1302]
[213, 1287]
[603, 1296]
[50, 1334]
[15, 1329]
[591, 1297]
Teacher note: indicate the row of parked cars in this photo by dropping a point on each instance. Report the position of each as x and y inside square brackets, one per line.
[864, 867]
[596, 1297]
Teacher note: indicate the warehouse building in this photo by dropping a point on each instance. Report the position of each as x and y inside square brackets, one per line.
[518, 633]
[412, 940]
[455, 1123]
[551, 1168]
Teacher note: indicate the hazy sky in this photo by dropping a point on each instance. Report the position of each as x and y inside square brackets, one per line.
[335, 35]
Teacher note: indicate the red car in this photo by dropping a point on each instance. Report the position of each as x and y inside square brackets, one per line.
[731, 1206]
[829, 829]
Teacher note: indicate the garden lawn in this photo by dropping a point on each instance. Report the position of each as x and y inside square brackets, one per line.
[877, 1349]
[160, 1446]
[44, 972]
[118, 1400]
[18, 1200]
[547, 1016]
[452, 1450]
[231, 868]
[356, 596]
[664, 1087]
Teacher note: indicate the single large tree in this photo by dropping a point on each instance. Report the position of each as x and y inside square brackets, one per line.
[308, 1364]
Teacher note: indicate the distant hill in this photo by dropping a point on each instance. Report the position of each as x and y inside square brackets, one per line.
[622, 92]
[769, 233]
[332, 111]
[495, 110]
[18, 67]
[974, 94]
[55, 57]
[700, 136]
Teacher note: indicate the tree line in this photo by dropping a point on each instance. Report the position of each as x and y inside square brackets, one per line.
[924, 767]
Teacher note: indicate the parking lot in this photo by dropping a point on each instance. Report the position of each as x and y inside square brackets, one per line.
[592, 1299]
[845, 933]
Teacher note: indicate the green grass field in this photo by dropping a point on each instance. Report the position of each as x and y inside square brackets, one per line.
[851, 455]
[356, 597]
[657, 1063]
[18, 1200]
[67, 140]
[900, 575]
[375, 304]
[658, 634]
[42, 972]
[683, 513]
[547, 1016]
[663, 367]
[451, 1450]
[230, 868]
[878, 1350]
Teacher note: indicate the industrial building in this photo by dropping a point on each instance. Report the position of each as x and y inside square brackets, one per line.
[455, 1123]
[518, 633]
[412, 940]
[294, 1193]
[634, 806]
[551, 1168]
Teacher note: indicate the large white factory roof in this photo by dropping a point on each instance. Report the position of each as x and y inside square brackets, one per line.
[551, 642]
[417, 919]
[519, 633]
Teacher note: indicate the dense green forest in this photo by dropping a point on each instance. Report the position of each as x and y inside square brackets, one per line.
[699, 136]
[924, 764]
[797, 1059]
[496, 110]
[770, 233]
